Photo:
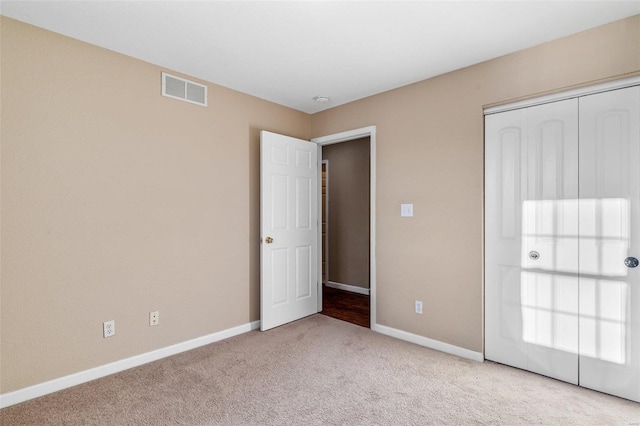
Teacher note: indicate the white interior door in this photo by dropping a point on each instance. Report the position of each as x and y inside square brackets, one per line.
[531, 289]
[289, 229]
[610, 233]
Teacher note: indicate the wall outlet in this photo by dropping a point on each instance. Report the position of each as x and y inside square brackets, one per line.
[418, 306]
[154, 318]
[109, 328]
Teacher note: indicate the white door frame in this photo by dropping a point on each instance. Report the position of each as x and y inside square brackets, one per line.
[324, 249]
[369, 131]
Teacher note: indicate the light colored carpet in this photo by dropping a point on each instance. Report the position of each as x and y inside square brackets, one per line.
[322, 371]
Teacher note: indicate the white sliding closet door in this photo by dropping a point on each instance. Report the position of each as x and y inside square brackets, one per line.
[609, 234]
[549, 253]
[562, 240]
[505, 191]
[531, 225]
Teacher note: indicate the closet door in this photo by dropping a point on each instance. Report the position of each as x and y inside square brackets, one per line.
[549, 244]
[531, 283]
[505, 192]
[609, 234]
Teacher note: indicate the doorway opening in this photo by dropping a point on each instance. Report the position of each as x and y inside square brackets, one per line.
[347, 233]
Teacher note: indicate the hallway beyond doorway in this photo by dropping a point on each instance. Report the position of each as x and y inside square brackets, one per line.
[346, 306]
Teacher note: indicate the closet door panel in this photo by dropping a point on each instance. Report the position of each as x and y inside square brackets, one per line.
[609, 233]
[550, 213]
[531, 203]
[505, 191]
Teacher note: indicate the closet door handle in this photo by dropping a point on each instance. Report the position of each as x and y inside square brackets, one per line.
[534, 255]
[631, 262]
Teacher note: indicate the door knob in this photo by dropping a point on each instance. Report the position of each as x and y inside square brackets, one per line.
[631, 262]
[269, 240]
[534, 255]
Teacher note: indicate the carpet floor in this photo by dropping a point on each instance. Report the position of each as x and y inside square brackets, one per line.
[322, 371]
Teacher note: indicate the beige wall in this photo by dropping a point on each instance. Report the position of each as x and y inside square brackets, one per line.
[430, 153]
[349, 211]
[116, 202]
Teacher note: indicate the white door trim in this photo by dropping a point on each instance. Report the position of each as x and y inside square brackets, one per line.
[575, 93]
[362, 132]
[326, 213]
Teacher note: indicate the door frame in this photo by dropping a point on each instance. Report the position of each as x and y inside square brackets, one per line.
[369, 131]
[562, 95]
[324, 249]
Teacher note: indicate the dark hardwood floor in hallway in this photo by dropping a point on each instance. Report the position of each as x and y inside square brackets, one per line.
[346, 306]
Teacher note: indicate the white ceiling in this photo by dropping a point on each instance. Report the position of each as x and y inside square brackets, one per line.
[289, 52]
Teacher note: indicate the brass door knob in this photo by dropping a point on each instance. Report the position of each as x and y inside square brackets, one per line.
[269, 240]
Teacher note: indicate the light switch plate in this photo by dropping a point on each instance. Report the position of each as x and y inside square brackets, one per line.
[406, 210]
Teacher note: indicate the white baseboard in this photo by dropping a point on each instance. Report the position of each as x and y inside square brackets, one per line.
[348, 287]
[429, 343]
[55, 385]
[35, 391]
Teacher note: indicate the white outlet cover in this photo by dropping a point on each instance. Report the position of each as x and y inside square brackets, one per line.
[109, 328]
[154, 318]
[406, 210]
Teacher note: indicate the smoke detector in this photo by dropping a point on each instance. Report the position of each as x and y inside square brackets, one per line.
[321, 99]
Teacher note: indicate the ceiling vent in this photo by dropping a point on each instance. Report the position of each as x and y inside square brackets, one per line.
[185, 90]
